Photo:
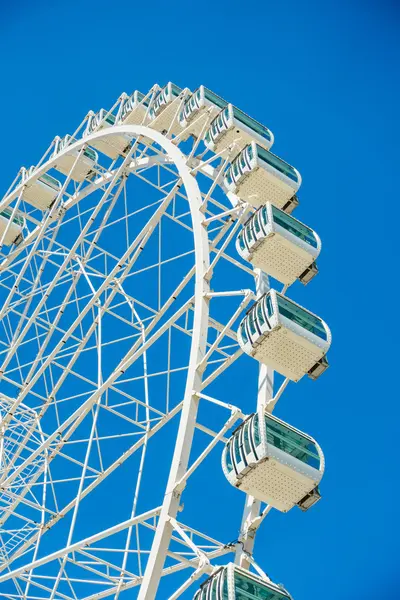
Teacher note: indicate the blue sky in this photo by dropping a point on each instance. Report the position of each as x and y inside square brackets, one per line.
[324, 78]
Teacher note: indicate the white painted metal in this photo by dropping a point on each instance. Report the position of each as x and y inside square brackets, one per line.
[78, 341]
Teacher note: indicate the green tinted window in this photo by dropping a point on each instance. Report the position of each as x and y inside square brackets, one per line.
[229, 464]
[260, 315]
[242, 243]
[225, 595]
[236, 449]
[294, 226]
[243, 333]
[110, 119]
[292, 442]
[252, 123]
[256, 430]
[90, 153]
[54, 183]
[175, 90]
[217, 100]
[7, 212]
[277, 163]
[247, 588]
[252, 323]
[264, 215]
[246, 438]
[301, 317]
[270, 308]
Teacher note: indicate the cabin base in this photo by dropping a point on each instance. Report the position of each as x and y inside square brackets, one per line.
[81, 170]
[113, 146]
[199, 122]
[281, 259]
[258, 186]
[14, 233]
[170, 114]
[38, 196]
[231, 136]
[276, 484]
[289, 354]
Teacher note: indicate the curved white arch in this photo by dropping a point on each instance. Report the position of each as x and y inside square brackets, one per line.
[199, 338]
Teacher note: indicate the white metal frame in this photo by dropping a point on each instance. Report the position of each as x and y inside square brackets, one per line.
[213, 226]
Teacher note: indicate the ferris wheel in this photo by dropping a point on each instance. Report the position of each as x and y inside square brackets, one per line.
[139, 344]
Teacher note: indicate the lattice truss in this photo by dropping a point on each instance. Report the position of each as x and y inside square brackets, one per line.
[96, 324]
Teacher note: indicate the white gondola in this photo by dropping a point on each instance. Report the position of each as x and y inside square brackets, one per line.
[234, 126]
[134, 109]
[112, 146]
[163, 115]
[84, 167]
[281, 334]
[202, 106]
[258, 176]
[15, 226]
[42, 191]
[279, 245]
[274, 463]
[231, 582]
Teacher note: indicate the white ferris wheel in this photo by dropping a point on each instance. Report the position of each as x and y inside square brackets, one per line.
[139, 338]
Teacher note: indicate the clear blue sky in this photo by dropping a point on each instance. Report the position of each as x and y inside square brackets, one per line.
[324, 77]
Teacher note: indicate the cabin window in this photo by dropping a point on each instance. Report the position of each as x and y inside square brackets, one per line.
[247, 588]
[249, 233]
[270, 308]
[292, 442]
[236, 446]
[246, 438]
[301, 317]
[260, 315]
[252, 123]
[214, 588]
[49, 180]
[277, 163]
[294, 226]
[225, 593]
[257, 226]
[242, 243]
[217, 100]
[229, 177]
[229, 464]
[256, 430]
[235, 169]
[7, 212]
[264, 214]
[250, 152]
[90, 153]
[243, 333]
[252, 323]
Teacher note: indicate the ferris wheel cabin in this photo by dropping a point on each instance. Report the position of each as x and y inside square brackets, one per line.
[164, 111]
[234, 583]
[257, 175]
[11, 225]
[279, 245]
[112, 146]
[134, 109]
[234, 126]
[202, 106]
[274, 462]
[281, 334]
[40, 192]
[84, 167]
